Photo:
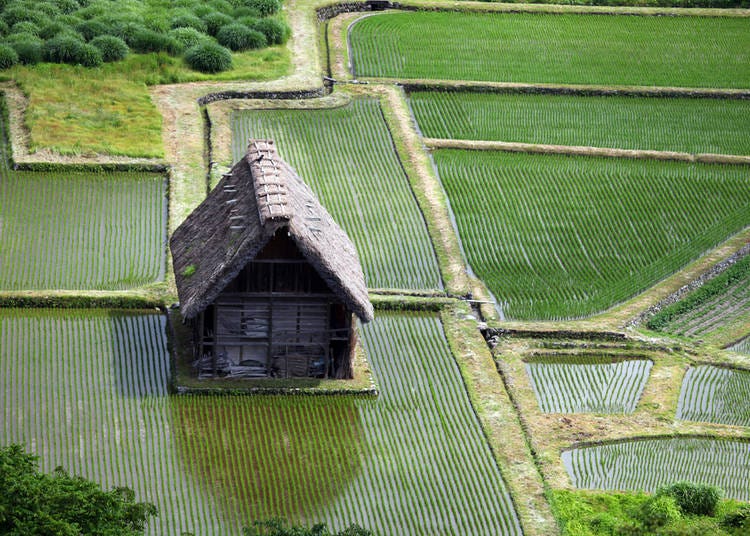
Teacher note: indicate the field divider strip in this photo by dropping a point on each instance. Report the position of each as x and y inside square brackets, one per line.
[580, 150]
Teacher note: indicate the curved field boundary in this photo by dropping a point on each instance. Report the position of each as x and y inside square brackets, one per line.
[347, 156]
[742, 346]
[651, 51]
[563, 237]
[646, 464]
[562, 386]
[715, 394]
[536, 148]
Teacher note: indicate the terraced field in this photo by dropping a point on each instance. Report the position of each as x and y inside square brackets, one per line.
[622, 122]
[413, 459]
[347, 156]
[554, 48]
[647, 464]
[743, 346]
[564, 237]
[588, 384]
[715, 394]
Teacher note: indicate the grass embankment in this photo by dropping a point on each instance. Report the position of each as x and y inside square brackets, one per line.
[543, 48]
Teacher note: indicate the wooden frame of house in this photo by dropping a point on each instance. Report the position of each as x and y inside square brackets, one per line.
[266, 278]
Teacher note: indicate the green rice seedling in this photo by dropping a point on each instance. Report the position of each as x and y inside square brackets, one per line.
[565, 237]
[29, 51]
[554, 48]
[187, 37]
[277, 32]
[715, 394]
[215, 21]
[742, 346]
[238, 37]
[346, 155]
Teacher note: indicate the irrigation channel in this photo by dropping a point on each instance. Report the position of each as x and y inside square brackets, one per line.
[91, 396]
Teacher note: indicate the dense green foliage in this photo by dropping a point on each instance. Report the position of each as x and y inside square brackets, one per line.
[693, 499]
[33, 503]
[604, 387]
[646, 123]
[209, 57]
[715, 394]
[275, 527]
[346, 155]
[226, 461]
[719, 300]
[564, 237]
[553, 48]
[67, 28]
[648, 464]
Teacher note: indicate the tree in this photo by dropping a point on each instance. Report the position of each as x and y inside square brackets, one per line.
[33, 503]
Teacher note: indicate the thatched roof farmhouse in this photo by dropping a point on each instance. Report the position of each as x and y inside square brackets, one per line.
[266, 277]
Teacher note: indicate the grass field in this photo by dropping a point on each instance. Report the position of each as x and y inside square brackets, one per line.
[347, 156]
[647, 123]
[715, 394]
[547, 48]
[563, 237]
[91, 396]
[644, 465]
[588, 385]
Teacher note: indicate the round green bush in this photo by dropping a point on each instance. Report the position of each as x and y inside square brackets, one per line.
[112, 48]
[239, 37]
[189, 21]
[4, 28]
[70, 21]
[264, 7]
[50, 30]
[90, 56]
[63, 48]
[8, 57]
[659, 511]
[92, 28]
[277, 32]
[222, 6]
[68, 6]
[29, 51]
[215, 21]
[187, 37]
[738, 519]
[209, 57]
[18, 13]
[693, 499]
[25, 26]
[48, 8]
[145, 40]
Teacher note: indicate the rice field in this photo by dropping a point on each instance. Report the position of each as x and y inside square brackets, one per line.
[92, 397]
[742, 346]
[588, 385]
[72, 230]
[347, 157]
[644, 465]
[554, 48]
[715, 394]
[565, 237]
[622, 122]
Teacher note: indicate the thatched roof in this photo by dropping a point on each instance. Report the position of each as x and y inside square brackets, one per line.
[261, 195]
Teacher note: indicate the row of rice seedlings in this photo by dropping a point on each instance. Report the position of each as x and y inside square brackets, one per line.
[742, 346]
[563, 237]
[622, 122]
[606, 386]
[87, 390]
[554, 48]
[646, 464]
[72, 230]
[347, 157]
[715, 394]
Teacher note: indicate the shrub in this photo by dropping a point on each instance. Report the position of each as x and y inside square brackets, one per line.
[48, 8]
[92, 28]
[699, 526]
[156, 21]
[189, 21]
[8, 57]
[244, 12]
[29, 51]
[738, 519]
[201, 10]
[187, 37]
[67, 6]
[18, 13]
[277, 32]
[112, 48]
[658, 511]
[17, 37]
[215, 21]
[263, 7]
[4, 28]
[145, 40]
[70, 21]
[50, 30]
[693, 499]
[62, 49]
[222, 6]
[25, 26]
[89, 56]
[209, 57]
[239, 37]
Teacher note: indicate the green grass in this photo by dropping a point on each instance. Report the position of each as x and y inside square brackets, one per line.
[647, 123]
[563, 237]
[607, 386]
[715, 394]
[546, 48]
[347, 157]
[645, 465]
[92, 396]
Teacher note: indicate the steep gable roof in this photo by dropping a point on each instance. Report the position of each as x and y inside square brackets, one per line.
[260, 195]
